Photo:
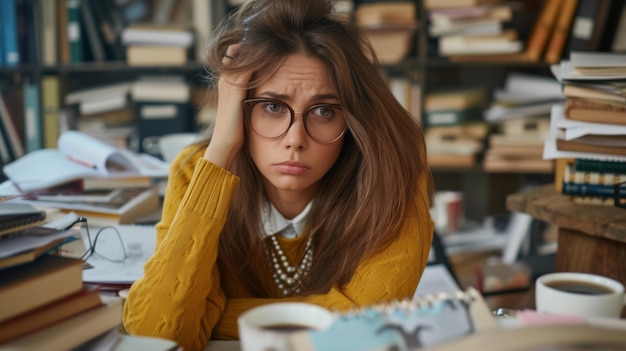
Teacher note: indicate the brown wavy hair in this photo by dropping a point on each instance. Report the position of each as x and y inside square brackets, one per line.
[364, 198]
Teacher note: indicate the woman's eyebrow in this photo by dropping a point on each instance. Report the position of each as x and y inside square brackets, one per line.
[283, 97]
[275, 95]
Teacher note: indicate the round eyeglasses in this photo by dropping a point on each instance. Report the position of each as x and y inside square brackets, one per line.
[272, 118]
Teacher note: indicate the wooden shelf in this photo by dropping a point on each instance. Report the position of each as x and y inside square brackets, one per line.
[546, 204]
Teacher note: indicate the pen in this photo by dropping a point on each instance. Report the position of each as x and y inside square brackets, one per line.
[81, 161]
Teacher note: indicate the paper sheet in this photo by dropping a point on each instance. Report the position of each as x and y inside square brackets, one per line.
[139, 242]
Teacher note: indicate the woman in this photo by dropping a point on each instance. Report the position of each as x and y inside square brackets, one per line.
[314, 186]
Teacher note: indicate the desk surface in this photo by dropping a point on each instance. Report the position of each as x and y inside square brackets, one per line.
[546, 204]
[223, 345]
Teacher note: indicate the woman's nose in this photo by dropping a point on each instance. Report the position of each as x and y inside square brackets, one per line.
[296, 136]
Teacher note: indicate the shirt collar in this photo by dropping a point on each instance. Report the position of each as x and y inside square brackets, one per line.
[275, 223]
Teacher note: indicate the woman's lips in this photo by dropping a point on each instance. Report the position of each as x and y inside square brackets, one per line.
[293, 168]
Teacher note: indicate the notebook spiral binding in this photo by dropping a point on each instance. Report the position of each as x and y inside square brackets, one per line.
[424, 301]
[21, 221]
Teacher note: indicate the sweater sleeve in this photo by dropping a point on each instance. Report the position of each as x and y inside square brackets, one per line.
[390, 274]
[179, 296]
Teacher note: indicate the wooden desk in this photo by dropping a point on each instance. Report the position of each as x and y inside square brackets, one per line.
[591, 238]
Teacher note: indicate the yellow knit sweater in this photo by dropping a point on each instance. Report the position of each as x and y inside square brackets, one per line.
[182, 296]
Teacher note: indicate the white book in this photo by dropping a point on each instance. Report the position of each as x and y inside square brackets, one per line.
[461, 47]
[475, 27]
[79, 156]
[161, 89]
[144, 36]
[104, 104]
[97, 93]
[597, 59]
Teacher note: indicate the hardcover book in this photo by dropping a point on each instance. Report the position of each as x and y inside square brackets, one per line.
[590, 165]
[29, 322]
[75, 331]
[26, 287]
[595, 111]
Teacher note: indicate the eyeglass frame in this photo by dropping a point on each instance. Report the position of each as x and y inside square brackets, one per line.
[248, 105]
[91, 250]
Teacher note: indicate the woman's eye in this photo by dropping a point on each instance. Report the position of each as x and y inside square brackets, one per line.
[323, 111]
[273, 107]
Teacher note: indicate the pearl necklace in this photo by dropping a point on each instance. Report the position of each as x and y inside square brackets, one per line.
[288, 277]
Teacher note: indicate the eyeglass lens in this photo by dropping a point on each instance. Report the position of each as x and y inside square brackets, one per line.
[271, 118]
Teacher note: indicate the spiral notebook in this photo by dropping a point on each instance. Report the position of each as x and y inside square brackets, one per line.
[15, 217]
[405, 325]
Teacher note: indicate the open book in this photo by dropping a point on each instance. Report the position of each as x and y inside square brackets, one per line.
[79, 156]
[402, 325]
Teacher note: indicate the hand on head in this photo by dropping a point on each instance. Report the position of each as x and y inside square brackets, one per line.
[228, 135]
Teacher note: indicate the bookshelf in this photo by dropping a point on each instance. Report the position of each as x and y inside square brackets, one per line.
[422, 68]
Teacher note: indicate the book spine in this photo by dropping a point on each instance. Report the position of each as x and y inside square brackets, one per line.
[582, 189]
[588, 22]
[50, 89]
[21, 221]
[26, 31]
[9, 33]
[542, 29]
[32, 117]
[576, 182]
[452, 117]
[73, 31]
[589, 165]
[11, 128]
[595, 105]
[95, 43]
[582, 177]
[561, 31]
[48, 31]
[6, 155]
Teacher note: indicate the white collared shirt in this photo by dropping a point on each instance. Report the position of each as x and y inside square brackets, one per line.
[275, 223]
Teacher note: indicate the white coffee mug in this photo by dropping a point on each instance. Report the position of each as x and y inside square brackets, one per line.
[267, 327]
[582, 294]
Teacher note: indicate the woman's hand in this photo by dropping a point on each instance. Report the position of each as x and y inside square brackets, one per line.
[228, 134]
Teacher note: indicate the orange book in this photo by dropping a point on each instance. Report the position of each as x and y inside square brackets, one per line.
[595, 111]
[581, 146]
[51, 313]
[561, 31]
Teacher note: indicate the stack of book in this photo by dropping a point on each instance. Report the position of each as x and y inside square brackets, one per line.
[157, 44]
[106, 185]
[520, 112]
[456, 131]
[591, 126]
[46, 305]
[543, 28]
[389, 27]
[104, 112]
[466, 29]
[162, 106]
[590, 181]
[25, 233]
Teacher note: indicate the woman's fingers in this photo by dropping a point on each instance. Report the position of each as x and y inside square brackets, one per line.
[228, 133]
[231, 53]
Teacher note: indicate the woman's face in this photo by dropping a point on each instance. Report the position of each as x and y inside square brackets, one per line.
[294, 164]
